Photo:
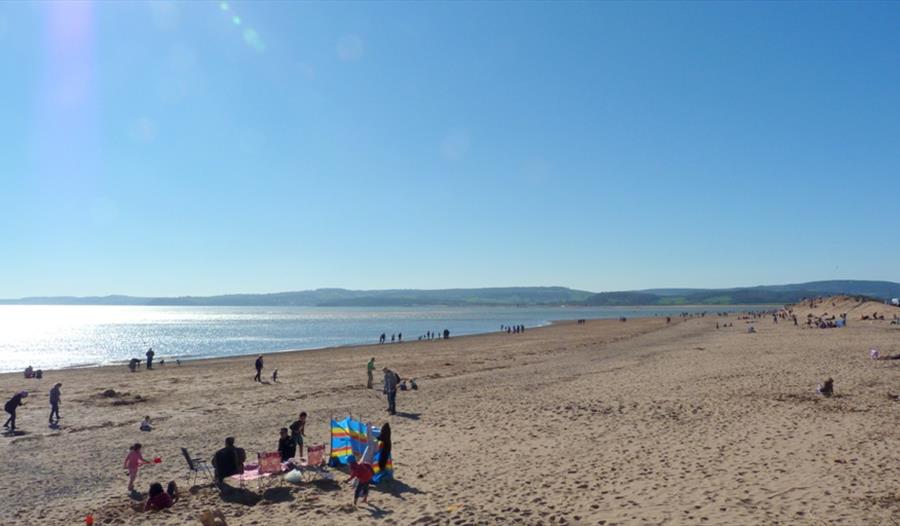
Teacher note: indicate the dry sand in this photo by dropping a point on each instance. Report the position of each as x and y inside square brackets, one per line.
[602, 423]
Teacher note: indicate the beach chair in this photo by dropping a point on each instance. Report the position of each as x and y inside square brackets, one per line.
[196, 467]
[313, 466]
[269, 469]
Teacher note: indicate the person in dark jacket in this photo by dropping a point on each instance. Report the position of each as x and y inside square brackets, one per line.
[259, 368]
[391, 379]
[11, 405]
[229, 460]
[55, 397]
[286, 445]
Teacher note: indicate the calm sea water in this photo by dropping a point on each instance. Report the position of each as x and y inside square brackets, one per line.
[51, 337]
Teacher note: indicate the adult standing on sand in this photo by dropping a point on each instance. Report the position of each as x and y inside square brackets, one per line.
[11, 405]
[55, 397]
[370, 370]
[390, 389]
[259, 368]
[150, 355]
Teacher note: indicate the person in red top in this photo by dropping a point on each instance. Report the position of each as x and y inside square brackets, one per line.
[363, 474]
[158, 498]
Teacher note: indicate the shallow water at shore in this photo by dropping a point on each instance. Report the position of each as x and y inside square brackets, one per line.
[52, 337]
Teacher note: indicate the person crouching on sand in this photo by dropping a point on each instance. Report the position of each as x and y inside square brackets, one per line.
[11, 405]
[827, 388]
[363, 474]
[133, 462]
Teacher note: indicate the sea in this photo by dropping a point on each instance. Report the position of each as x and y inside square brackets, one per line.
[63, 336]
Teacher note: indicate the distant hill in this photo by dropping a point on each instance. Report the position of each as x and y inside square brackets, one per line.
[342, 298]
[769, 294]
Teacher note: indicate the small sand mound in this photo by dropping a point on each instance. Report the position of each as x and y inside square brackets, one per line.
[117, 398]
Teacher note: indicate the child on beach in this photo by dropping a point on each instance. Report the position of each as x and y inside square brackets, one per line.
[133, 462]
[157, 499]
[826, 389]
[146, 425]
[363, 474]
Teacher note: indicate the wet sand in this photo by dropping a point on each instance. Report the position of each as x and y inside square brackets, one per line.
[601, 423]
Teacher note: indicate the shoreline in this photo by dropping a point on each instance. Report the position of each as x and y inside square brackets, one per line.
[547, 323]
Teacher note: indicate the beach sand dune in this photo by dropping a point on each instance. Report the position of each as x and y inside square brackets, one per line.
[603, 423]
[854, 307]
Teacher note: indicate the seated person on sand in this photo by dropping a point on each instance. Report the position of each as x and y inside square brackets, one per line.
[146, 425]
[158, 499]
[826, 389]
[286, 445]
[29, 372]
[229, 460]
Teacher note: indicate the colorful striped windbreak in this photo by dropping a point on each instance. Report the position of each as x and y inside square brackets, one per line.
[349, 439]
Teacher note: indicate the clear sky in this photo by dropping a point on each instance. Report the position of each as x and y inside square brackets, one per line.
[161, 148]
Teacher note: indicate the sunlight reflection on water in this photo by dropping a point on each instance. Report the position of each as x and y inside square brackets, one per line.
[50, 337]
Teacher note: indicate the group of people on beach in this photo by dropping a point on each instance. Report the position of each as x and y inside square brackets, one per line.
[229, 461]
[514, 329]
[19, 399]
[157, 498]
[429, 335]
[135, 363]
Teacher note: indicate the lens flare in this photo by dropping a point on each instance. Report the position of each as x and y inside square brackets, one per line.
[249, 35]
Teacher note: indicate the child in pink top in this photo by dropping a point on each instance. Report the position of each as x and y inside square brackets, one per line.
[133, 461]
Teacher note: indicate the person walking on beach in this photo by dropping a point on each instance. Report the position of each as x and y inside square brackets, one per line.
[259, 368]
[133, 462]
[150, 355]
[11, 405]
[390, 389]
[55, 397]
[370, 370]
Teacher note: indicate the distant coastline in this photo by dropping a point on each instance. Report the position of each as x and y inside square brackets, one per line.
[499, 296]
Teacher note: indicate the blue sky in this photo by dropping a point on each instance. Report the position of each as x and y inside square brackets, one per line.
[155, 148]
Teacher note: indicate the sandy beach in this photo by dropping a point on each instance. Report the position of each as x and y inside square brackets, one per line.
[599, 423]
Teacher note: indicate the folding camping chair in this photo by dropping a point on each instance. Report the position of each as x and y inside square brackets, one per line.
[269, 468]
[196, 467]
[314, 464]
